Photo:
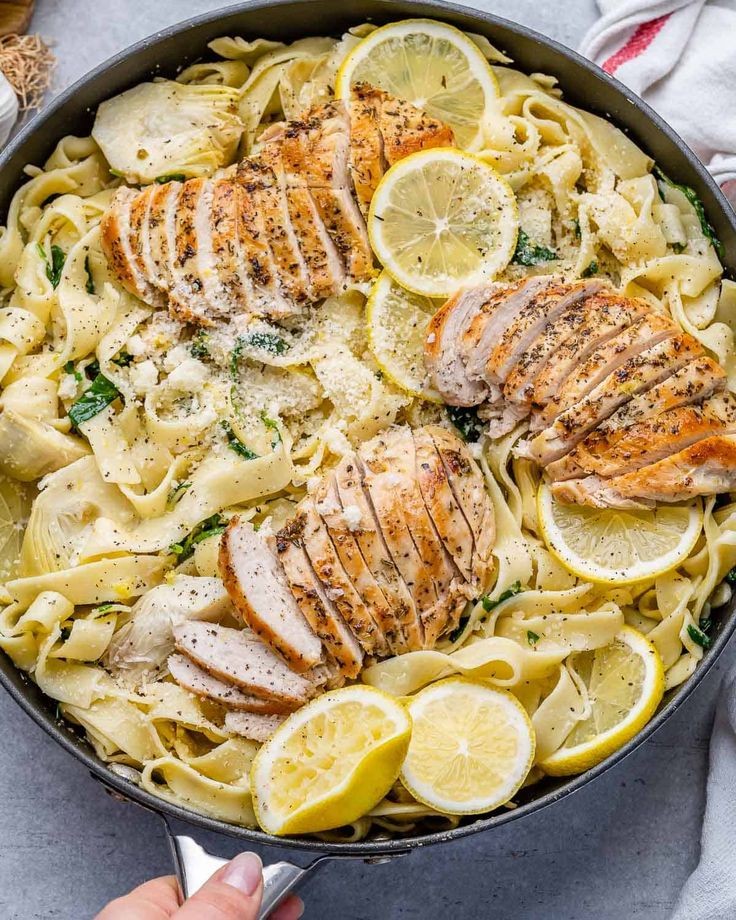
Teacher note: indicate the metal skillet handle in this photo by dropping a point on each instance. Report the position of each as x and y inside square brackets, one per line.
[194, 865]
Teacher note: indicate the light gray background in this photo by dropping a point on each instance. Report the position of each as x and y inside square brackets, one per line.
[617, 850]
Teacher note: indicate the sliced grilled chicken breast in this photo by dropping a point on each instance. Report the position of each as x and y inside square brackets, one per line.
[115, 237]
[256, 584]
[367, 159]
[342, 524]
[377, 557]
[443, 507]
[635, 375]
[642, 334]
[339, 588]
[231, 290]
[466, 482]
[613, 453]
[164, 199]
[314, 601]
[606, 314]
[405, 129]
[255, 726]
[442, 353]
[705, 468]
[202, 684]
[239, 657]
[695, 381]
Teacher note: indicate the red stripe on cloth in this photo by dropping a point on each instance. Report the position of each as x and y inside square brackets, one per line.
[642, 38]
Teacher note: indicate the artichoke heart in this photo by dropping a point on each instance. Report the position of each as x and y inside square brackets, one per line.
[166, 130]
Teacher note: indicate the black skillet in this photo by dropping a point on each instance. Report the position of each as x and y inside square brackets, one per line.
[170, 50]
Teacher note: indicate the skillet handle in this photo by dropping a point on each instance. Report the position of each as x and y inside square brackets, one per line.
[194, 865]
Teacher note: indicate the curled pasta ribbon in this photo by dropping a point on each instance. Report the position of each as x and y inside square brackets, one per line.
[558, 713]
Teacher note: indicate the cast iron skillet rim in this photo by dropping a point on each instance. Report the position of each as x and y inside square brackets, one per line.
[130, 791]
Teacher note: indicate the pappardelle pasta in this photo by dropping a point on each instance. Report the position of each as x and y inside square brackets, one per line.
[129, 437]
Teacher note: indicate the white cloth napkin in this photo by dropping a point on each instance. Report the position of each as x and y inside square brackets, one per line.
[680, 56]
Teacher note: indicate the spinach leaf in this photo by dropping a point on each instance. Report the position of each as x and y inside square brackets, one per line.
[699, 637]
[272, 424]
[708, 232]
[528, 253]
[70, 369]
[90, 283]
[54, 267]
[176, 493]
[531, 637]
[199, 348]
[169, 177]
[94, 399]
[489, 604]
[466, 421]
[267, 341]
[591, 270]
[235, 444]
[731, 576]
[122, 359]
[208, 528]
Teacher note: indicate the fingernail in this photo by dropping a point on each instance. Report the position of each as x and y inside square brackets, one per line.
[244, 873]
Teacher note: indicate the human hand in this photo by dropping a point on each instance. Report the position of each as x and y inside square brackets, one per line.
[233, 893]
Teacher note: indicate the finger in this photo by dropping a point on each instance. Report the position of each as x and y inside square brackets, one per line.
[291, 908]
[155, 900]
[233, 893]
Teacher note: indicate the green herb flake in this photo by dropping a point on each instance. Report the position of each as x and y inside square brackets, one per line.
[210, 527]
[267, 341]
[699, 637]
[528, 253]
[531, 637]
[95, 398]
[273, 426]
[116, 173]
[103, 608]
[235, 444]
[692, 196]
[591, 270]
[90, 283]
[731, 576]
[489, 604]
[70, 369]
[466, 420]
[122, 359]
[169, 177]
[55, 265]
[176, 493]
[199, 347]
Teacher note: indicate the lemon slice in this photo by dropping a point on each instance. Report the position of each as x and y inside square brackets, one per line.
[434, 66]
[397, 327]
[616, 547]
[442, 219]
[625, 682]
[471, 747]
[330, 762]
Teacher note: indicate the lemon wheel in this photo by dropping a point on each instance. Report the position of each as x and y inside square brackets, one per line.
[625, 683]
[616, 547]
[434, 66]
[442, 219]
[471, 747]
[14, 507]
[330, 762]
[397, 323]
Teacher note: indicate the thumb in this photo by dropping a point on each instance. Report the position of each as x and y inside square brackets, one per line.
[233, 893]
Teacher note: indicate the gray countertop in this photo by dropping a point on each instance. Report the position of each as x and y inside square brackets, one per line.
[619, 849]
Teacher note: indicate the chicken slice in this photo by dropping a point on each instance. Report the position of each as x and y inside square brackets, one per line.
[140, 208]
[697, 380]
[257, 266]
[606, 314]
[187, 296]
[224, 218]
[202, 684]
[161, 222]
[707, 467]
[404, 128]
[315, 153]
[442, 506]
[367, 160]
[239, 656]
[375, 552]
[255, 726]
[605, 359]
[337, 585]
[257, 586]
[325, 268]
[442, 354]
[260, 181]
[613, 453]
[391, 459]
[314, 601]
[638, 373]
[466, 481]
[115, 238]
